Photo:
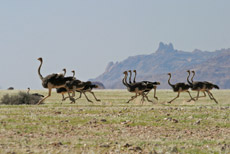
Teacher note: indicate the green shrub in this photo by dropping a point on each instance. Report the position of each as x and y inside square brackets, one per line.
[20, 98]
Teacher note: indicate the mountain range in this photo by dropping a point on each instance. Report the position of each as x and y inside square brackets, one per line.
[209, 66]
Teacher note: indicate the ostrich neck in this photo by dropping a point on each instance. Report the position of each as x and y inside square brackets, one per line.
[123, 81]
[127, 84]
[39, 71]
[64, 72]
[192, 77]
[134, 79]
[188, 78]
[169, 81]
[130, 77]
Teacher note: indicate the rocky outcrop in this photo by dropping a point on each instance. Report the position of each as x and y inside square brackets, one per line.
[211, 66]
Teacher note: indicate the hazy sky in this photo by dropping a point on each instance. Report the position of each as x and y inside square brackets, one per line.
[85, 35]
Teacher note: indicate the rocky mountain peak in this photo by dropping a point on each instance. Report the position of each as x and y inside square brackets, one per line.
[109, 66]
[165, 48]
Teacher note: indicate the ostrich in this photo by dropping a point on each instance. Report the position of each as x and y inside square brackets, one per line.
[137, 88]
[34, 94]
[52, 81]
[150, 85]
[196, 86]
[207, 87]
[63, 90]
[76, 85]
[179, 87]
[88, 88]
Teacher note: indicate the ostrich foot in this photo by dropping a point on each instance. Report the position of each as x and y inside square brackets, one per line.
[72, 100]
[91, 101]
[191, 100]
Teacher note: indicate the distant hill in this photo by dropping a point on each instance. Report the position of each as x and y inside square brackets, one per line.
[209, 66]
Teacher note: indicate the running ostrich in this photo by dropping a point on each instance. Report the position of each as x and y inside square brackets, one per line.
[88, 88]
[179, 87]
[150, 85]
[137, 88]
[196, 86]
[52, 81]
[79, 86]
[76, 85]
[207, 87]
[63, 90]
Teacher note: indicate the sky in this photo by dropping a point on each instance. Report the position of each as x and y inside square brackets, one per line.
[85, 35]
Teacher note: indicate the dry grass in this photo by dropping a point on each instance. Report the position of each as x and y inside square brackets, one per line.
[113, 126]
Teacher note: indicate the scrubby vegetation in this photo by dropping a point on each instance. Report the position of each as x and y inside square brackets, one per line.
[19, 98]
[114, 126]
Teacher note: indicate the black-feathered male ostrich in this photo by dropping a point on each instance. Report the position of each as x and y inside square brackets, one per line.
[207, 87]
[179, 87]
[74, 85]
[150, 85]
[63, 90]
[88, 88]
[138, 88]
[52, 81]
[196, 86]
[78, 86]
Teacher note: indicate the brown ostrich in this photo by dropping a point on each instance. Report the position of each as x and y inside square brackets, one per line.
[179, 87]
[52, 81]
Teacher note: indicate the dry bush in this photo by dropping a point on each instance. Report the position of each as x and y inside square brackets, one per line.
[20, 98]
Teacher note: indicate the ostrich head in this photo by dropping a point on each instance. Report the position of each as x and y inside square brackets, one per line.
[64, 70]
[40, 59]
[125, 72]
[73, 74]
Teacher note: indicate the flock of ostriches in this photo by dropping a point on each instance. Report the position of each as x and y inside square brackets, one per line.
[70, 85]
